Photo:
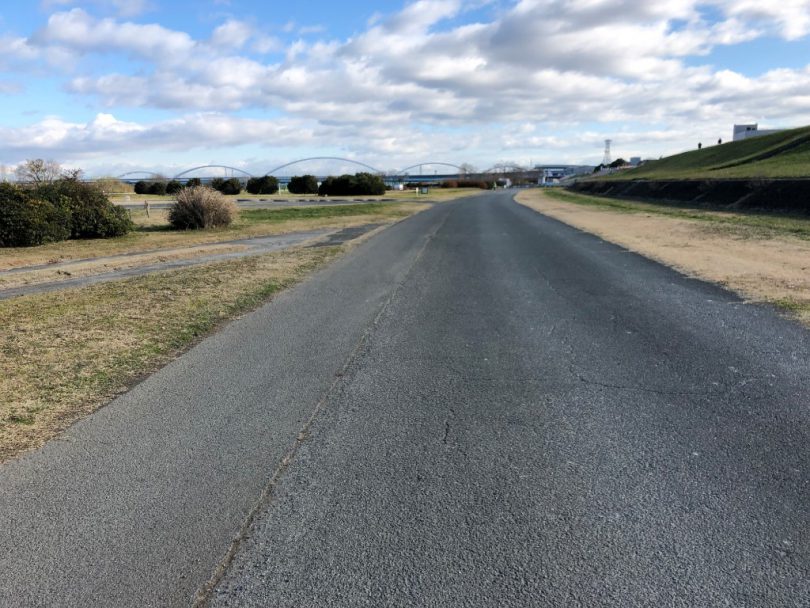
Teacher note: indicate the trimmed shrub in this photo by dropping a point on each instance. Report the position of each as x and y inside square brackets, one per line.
[304, 184]
[26, 220]
[142, 187]
[231, 186]
[262, 185]
[352, 185]
[201, 207]
[194, 181]
[366, 183]
[253, 185]
[158, 188]
[173, 187]
[217, 183]
[91, 214]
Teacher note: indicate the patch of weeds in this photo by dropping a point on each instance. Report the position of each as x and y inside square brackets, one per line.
[792, 305]
[25, 419]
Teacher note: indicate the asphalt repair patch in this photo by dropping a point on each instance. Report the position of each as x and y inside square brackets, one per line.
[347, 234]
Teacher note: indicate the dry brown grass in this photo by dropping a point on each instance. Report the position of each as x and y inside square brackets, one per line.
[201, 207]
[435, 195]
[763, 261]
[157, 236]
[63, 355]
[55, 274]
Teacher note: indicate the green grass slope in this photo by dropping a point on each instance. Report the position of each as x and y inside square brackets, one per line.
[784, 154]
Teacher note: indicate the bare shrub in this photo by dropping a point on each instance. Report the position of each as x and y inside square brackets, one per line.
[201, 207]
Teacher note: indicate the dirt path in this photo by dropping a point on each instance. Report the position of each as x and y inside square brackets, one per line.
[761, 267]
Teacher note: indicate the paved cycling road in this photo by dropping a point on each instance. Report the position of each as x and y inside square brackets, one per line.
[507, 412]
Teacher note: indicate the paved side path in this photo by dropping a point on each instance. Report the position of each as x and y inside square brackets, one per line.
[252, 247]
[137, 504]
[544, 419]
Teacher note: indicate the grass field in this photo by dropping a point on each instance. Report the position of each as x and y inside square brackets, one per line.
[434, 195]
[785, 154]
[153, 232]
[65, 353]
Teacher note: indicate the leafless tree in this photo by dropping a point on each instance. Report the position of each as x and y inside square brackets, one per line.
[38, 171]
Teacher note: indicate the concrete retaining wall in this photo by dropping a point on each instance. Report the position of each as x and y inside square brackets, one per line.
[770, 194]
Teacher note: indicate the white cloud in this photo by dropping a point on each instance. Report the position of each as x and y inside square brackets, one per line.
[78, 31]
[233, 34]
[789, 19]
[123, 8]
[553, 64]
[56, 137]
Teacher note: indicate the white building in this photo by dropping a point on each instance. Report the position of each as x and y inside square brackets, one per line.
[751, 130]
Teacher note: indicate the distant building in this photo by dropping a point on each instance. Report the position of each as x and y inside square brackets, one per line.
[554, 174]
[635, 161]
[751, 130]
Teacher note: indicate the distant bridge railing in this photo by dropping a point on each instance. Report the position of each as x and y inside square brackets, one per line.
[389, 176]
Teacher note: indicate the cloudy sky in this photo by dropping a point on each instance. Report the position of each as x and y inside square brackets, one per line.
[118, 85]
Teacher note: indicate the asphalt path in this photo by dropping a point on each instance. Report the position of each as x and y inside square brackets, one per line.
[480, 406]
[252, 246]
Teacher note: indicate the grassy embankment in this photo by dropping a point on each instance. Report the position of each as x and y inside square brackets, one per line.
[761, 225]
[763, 257]
[64, 354]
[779, 155]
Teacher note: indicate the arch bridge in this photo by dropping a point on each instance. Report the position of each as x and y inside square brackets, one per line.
[329, 158]
[454, 171]
[226, 167]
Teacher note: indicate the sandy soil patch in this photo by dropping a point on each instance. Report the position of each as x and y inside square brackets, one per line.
[761, 266]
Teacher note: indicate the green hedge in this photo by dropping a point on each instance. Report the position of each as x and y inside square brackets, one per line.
[303, 184]
[352, 185]
[262, 185]
[26, 220]
[57, 211]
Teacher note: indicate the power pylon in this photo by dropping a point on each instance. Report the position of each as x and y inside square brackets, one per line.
[606, 160]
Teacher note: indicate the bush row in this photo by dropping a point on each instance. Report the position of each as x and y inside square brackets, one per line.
[352, 185]
[158, 187]
[262, 185]
[303, 184]
[56, 211]
[225, 186]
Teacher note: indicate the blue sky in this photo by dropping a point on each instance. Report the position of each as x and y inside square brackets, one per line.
[116, 85]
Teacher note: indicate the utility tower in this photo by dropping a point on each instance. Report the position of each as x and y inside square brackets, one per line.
[606, 160]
